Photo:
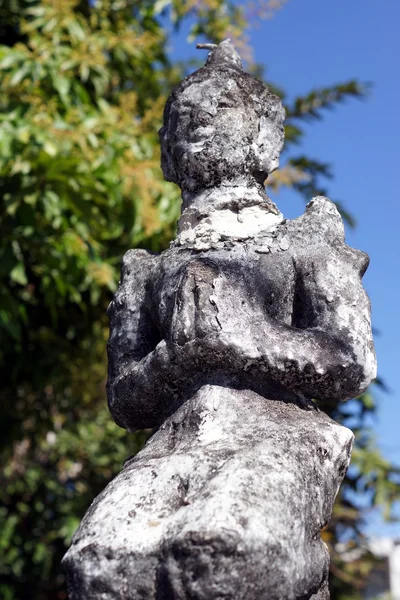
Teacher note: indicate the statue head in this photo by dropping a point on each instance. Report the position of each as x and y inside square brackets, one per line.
[221, 125]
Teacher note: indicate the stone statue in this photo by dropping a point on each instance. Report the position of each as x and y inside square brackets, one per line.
[222, 342]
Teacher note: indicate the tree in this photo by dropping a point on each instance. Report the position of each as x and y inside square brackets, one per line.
[83, 85]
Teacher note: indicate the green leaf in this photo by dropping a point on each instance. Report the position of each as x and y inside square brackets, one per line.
[18, 274]
[20, 74]
[9, 60]
[62, 85]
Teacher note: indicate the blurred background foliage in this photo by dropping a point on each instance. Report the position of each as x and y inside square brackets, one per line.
[83, 85]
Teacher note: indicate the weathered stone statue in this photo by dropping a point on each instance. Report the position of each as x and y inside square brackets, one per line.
[221, 342]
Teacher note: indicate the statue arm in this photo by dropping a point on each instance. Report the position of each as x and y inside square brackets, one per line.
[337, 317]
[146, 374]
[328, 351]
[133, 348]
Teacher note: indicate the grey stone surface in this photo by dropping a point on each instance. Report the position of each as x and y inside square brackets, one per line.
[226, 500]
[283, 313]
[222, 128]
[221, 342]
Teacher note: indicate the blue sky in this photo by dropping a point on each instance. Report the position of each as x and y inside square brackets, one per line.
[313, 43]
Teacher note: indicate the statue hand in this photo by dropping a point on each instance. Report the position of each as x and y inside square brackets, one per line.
[195, 315]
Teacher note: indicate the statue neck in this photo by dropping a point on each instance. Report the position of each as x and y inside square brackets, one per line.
[231, 211]
[228, 195]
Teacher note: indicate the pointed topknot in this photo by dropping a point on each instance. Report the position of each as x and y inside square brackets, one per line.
[222, 55]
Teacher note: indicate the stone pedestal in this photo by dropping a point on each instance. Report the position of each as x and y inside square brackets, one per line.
[226, 501]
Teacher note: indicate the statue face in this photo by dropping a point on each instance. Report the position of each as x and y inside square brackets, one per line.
[215, 130]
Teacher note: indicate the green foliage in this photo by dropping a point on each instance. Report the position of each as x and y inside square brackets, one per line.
[83, 85]
[370, 481]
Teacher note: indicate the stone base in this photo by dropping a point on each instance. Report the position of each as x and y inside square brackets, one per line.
[226, 501]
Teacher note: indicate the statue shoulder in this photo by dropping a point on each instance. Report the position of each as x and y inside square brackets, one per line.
[320, 224]
[320, 237]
